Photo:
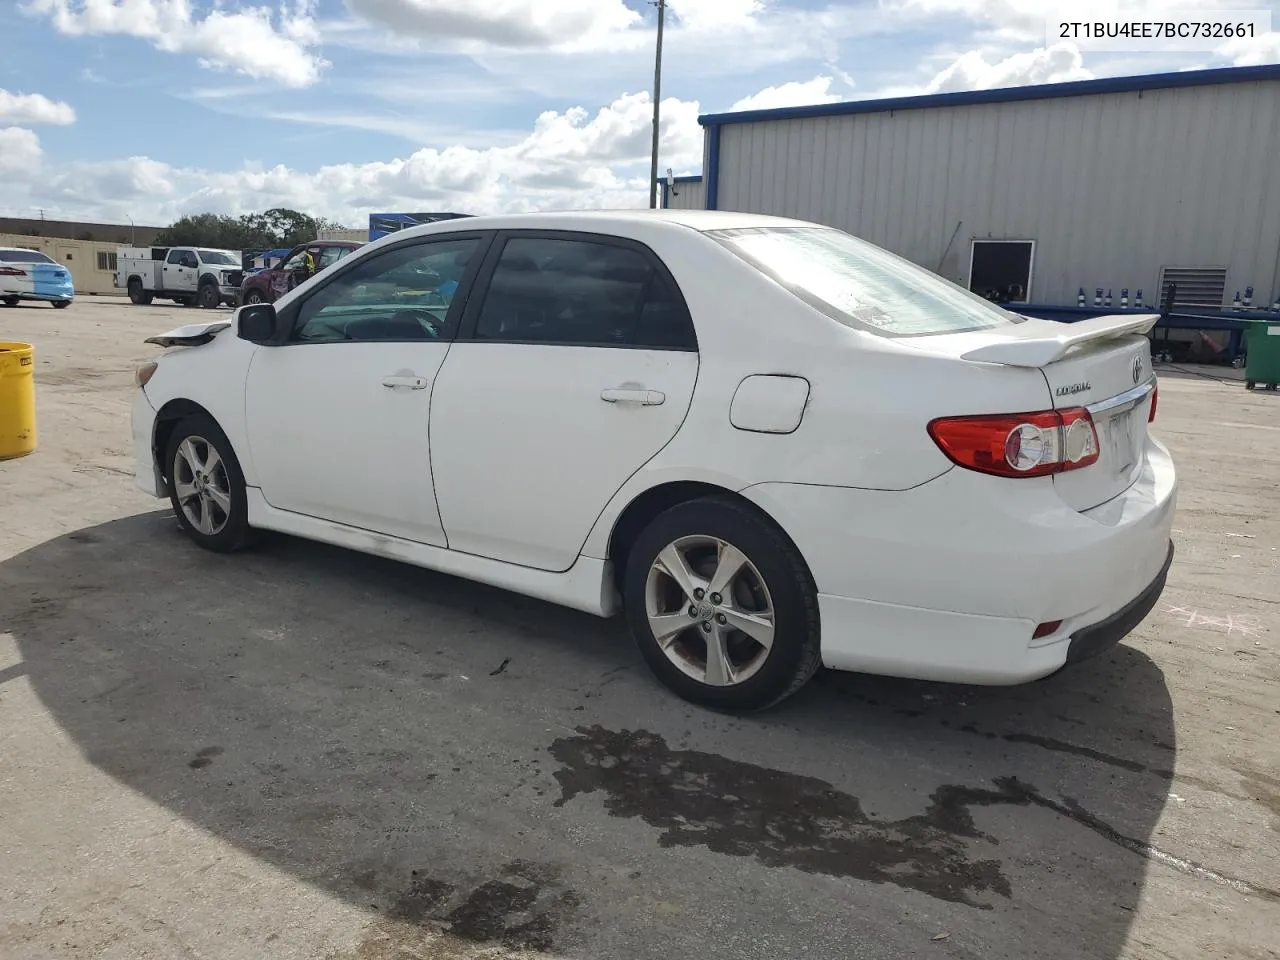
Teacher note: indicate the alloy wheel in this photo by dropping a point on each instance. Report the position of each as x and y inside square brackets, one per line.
[710, 610]
[202, 486]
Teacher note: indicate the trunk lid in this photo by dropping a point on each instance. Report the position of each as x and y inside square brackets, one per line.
[1113, 381]
[1102, 364]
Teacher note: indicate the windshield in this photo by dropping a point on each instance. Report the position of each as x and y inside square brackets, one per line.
[219, 257]
[862, 285]
[23, 256]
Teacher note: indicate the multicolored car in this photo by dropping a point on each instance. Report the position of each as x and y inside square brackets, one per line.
[30, 275]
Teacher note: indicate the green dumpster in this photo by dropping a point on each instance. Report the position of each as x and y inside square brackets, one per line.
[1262, 353]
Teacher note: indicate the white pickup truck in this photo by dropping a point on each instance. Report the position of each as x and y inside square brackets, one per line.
[185, 275]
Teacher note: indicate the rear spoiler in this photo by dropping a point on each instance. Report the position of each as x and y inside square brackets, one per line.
[1034, 349]
[191, 335]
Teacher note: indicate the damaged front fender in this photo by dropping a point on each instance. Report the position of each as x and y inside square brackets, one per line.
[192, 335]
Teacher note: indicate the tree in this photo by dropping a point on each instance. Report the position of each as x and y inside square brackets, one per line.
[277, 227]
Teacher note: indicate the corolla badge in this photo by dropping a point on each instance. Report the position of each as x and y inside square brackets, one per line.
[1071, 389]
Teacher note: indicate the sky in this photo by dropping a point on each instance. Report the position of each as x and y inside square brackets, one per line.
[150, 109]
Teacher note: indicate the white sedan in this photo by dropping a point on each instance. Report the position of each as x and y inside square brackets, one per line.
[31, 275]
[769, 444]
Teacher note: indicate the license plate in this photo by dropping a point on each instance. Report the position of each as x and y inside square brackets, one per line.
[1120, 436]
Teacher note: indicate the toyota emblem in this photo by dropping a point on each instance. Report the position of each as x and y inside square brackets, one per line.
[1137, 369]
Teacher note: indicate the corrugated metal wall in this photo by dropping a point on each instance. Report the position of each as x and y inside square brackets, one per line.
[1111, 187]
[688, 196]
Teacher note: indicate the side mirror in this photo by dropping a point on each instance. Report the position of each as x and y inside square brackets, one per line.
[257, 323]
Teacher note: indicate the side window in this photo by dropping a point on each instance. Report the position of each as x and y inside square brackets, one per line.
[294, 262]
[329, 256]
[189, 259]
[546, 290]
[402, 294]
[175, 257]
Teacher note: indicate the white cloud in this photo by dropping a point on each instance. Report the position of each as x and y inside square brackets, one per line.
[572, 159]
[502, 23]
[20, 155]
[1252, 51]
[971, 71]
[34, 108]
[710, 15]
[257, 41]
[797, 93]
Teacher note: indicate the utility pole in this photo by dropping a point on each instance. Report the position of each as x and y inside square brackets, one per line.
[657, 100]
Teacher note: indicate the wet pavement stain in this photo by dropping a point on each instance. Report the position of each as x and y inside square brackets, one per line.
[520, 909]
[784, 819]
[788, 820]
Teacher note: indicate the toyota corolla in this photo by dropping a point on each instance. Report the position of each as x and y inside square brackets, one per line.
[768, 444]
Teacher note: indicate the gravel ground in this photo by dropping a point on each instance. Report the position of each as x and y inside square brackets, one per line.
[300, 752]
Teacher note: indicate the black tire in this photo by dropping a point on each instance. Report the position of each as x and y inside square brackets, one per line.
[795, 653]
[61, 304]
[234, 533]
[253, 296]
[137, 295]
[208, 296]
[1250, 384]
[10, 301]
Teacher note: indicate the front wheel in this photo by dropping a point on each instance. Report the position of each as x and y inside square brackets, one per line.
[208, 296]
[722, 606]
[61, 304]
[10, 301]
[253, 296]
[206, 485]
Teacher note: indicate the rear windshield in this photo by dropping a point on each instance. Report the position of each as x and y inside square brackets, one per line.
[862, 285]
[24, 256]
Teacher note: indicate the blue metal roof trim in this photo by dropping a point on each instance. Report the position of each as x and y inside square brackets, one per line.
[1043, 91]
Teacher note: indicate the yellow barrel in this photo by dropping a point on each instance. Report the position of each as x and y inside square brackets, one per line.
[17, 400]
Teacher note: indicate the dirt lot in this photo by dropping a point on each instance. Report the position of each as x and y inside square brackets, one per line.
[304, 753]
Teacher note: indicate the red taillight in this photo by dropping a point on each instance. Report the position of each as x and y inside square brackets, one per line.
[12, 272]
[1155, 395]
[1019, 444]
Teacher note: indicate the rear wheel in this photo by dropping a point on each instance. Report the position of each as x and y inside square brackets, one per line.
[61, 304]
[10, 301]
[137, 294]
[206, 485]
[722, 606]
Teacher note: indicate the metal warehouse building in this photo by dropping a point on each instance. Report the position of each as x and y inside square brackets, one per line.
[1031, 193]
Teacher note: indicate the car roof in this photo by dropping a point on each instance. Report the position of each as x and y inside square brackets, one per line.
[607, 221]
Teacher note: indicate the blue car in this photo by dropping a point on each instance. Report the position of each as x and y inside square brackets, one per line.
[30, 275]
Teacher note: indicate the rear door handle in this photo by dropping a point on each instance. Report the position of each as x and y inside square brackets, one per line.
[646, 398]
[413, 383]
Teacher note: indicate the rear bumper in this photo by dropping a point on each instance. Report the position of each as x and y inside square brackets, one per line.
[1090, 641]
[949, 581]
[44, 296]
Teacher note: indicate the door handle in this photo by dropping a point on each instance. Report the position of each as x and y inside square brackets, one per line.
[413, 383]
[646, 398]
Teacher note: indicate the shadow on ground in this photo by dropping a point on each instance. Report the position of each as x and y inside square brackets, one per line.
[454, 758]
